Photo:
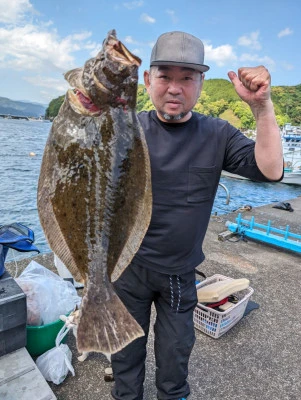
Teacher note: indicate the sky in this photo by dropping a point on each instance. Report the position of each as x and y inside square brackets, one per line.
[40, 40]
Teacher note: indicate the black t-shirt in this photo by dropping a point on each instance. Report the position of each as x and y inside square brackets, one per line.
[186, 163]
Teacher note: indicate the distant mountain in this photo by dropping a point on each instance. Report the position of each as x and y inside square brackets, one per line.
[21, 108]
[34, 102]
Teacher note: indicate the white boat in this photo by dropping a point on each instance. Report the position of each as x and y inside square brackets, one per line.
[36, 119]
[291, 143]
[291, 177]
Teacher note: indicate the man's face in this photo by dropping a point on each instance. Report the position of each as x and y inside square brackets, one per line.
[174, 91]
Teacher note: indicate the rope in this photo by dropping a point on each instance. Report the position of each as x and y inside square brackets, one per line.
[16, 264]
[171, 291]
[179, 293]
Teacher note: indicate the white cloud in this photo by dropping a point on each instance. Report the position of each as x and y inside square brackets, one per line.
[94, 48]
[80, 36]
[256, 59]
[131, 5]
[36, 51]
[250, 41]
[285, 32]
[221, 55]
[13, 11]
[136, 51]
[130, 40]
[31, 47]
[172, 15]
[57, 85]
[28, 47]
[50, 87]
[288, 66]
[147, 18]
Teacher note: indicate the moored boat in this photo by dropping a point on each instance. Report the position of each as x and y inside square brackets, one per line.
[291, 143]
[290, 177]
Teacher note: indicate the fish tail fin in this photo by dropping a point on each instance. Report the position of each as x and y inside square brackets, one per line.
[107, 326]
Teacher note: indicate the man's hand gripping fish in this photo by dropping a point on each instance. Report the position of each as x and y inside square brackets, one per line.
[94, 193]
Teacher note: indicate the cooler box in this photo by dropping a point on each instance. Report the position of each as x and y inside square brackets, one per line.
[3, 253]
[13, 315]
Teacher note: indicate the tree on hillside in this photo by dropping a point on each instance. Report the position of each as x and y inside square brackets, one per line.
[202, 104]
[229, 116]
[218, 89]
[243, 112]
[143, 100]
[53, 108]
[287, 99]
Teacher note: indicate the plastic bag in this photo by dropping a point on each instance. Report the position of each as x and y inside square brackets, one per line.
[34, 316]
[48, 295]
[55, 364]
[65, 273]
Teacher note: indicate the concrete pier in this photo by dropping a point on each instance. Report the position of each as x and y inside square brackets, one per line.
[260, 357]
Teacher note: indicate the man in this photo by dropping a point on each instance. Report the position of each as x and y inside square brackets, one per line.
[188, 152]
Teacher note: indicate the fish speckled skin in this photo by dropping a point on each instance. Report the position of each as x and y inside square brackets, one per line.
[94, 192]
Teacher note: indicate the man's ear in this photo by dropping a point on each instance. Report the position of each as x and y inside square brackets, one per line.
[202, 82]
[146, 77]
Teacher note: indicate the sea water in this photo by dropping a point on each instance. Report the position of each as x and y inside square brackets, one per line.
[21, 149]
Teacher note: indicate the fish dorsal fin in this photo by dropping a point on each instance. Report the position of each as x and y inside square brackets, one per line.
[74, 77]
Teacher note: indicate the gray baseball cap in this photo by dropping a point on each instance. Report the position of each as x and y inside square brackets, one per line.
[180, 49]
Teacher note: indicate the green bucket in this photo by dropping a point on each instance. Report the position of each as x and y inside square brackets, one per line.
[42, 338]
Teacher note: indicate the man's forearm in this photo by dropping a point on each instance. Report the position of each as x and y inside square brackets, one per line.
[268, 147]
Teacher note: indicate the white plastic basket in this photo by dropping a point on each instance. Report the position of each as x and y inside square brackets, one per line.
[215, 323]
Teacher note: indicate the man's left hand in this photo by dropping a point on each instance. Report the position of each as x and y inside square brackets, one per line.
[252, 84]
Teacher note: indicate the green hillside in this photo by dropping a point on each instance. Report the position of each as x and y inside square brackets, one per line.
[219, 99]
[218, 89]
[287, 101]
[53, 108]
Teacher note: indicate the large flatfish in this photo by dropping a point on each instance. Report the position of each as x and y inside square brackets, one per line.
[94, 192]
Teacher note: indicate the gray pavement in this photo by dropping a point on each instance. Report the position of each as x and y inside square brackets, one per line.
[260, 357]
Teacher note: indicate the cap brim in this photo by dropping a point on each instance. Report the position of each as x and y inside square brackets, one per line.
[198, 67]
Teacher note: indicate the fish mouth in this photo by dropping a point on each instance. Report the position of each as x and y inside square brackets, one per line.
[82, 104]
[119, 53]
[103, 79]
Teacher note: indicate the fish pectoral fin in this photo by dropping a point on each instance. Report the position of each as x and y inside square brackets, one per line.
[74, 77]
[106, 327]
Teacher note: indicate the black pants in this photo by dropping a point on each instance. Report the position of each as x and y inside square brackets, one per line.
[175, 298]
